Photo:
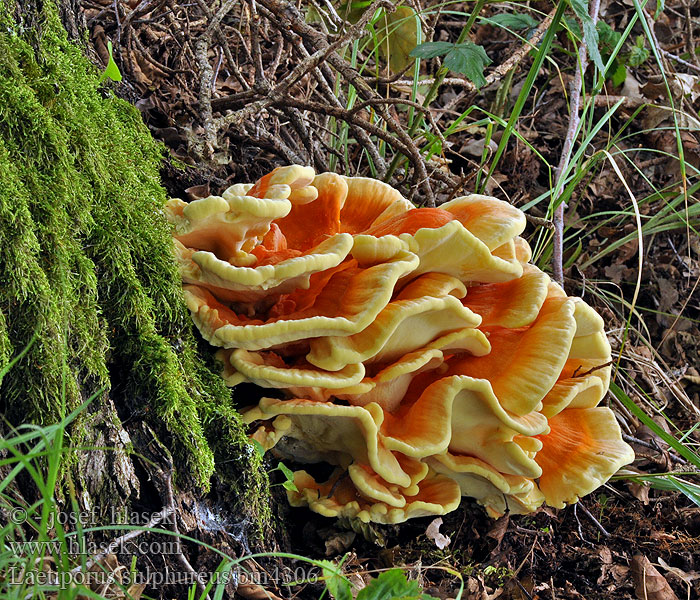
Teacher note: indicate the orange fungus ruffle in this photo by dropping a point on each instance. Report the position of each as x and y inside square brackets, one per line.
[418, 350]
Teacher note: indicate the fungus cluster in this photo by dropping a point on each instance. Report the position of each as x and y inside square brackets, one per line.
[415, 349]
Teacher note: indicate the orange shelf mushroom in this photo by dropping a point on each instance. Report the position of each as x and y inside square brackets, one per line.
[418, 350]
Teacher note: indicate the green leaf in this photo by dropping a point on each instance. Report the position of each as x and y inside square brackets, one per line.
[619, 75]
[470, 60]
[336, 583]
[392, 585]
[112, 71]
[290, 485]
[514, 21]
[431, 49]
[288, 473]
[607, 38]
[638, 53]
[258, 448]
[590, 33]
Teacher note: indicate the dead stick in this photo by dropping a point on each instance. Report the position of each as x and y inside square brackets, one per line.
[287, 12]
[574, 120]
[182, 559]
[120, 541]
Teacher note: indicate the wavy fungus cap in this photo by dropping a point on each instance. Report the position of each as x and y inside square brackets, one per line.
[416, 348]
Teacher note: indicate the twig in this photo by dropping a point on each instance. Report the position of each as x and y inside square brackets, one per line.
[627, 102]
[591, 370]
[514, 59]
[121, 540]
[580, 528]
[315, 156]
[574, 119]
[419, 107]
[690, 38]
[522, 588]
[306, 65]
[323, 75]
[653, 446]
[289, 14]
[345, 115]
[255, 45]
[165, 69]
[678, 59]
[219, 61]
[221, 38]
[182, 559]
[593, 519]
[207, 77]
[277, 144]
[142, 7]
[115, 5]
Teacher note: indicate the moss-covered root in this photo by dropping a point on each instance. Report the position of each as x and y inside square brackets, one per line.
[85, 258]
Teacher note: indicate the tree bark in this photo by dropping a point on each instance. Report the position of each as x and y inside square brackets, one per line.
[92, 320]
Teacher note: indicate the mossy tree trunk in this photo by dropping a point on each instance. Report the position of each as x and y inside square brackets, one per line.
[89, 287]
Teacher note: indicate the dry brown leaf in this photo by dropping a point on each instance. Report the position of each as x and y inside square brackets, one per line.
[640, 491]
[499, 528]
[339, 542]
[198, 191]
[474, 590]
[607, 561]
[252, 591]
[649, 584]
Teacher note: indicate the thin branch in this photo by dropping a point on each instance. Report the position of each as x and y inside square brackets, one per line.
[119, 542]
[287, 13]
[679, 60]
[207, 77]
[221, 38]
[574, 120]
[182, 559]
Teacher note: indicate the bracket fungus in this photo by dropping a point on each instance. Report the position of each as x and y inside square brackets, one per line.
[417, 350]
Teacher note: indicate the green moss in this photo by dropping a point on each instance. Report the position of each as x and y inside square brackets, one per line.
[86, 261]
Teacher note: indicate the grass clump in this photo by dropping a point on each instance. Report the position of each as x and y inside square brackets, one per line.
[86, 267]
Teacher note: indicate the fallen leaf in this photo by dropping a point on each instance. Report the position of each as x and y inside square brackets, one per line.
[196, 192]
[401, 29]
[499, 528]
[649, 584]
[339, 543]
[640, 491]
[631, 88]
[476, 146]
[607, 561]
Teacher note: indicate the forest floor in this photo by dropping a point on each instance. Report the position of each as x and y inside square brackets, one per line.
[231, 90]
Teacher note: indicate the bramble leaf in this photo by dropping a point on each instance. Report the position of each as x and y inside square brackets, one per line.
[470, 60]
[337, 584]
[431, 49]
[392, 585]
[514, 21]
[590, 33]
